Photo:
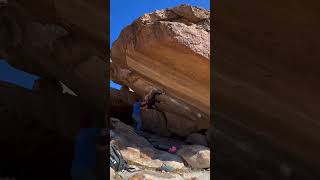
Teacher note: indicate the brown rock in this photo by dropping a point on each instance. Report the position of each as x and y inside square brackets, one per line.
[47, 86]
[198, 139]
[169, 50]
[193, 14]
[196, 156]
[138, 176]
[147, 153]
[59, 40]
[267, 84]
[131, 153]
[179, 125]
[118, 101]
[154, 121]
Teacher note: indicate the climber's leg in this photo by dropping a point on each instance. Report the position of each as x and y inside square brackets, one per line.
[138, 124]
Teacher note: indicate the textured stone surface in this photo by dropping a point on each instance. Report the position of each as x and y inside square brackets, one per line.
[198, 139]
[155, 121]
[138, 150]
[180, 125]
[59, 40]
[36, 126]
[169, 50]
[267, 84]
[196, 156]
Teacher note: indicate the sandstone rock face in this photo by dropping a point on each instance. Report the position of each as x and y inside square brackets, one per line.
[59, 40]
[154, 121]
[180, 125]
[198, 139]
[196, 156]
[267, 85]
[169, 50]
[126, 135]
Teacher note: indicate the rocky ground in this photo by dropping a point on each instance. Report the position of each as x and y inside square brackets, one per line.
[191, 161]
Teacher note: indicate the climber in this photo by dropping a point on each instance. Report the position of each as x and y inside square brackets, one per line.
[84, 162]
[136, 115]
[150, 98]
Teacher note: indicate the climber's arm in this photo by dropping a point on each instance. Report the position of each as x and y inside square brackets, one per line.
[143, 105]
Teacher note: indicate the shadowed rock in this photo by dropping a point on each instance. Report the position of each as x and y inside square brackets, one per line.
[65, 40]
[267, 85]
[53, 110]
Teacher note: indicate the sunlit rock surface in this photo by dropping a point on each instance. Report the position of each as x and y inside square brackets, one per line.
[168, 50]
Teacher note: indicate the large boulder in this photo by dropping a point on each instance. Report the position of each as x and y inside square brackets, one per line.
[58, 40]
[155, 121]
[168, 50]
[196, 156]
[198, 139]
[267, 87]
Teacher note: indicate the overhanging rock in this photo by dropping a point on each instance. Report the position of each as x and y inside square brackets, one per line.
[169, 50]
[59, 39]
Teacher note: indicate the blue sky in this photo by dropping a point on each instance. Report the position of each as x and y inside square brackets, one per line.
[15, 76]
[122, 13]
